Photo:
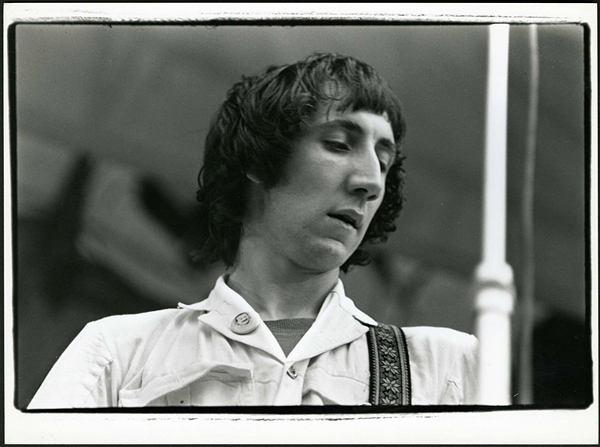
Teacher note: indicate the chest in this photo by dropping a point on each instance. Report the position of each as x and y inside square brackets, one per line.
[235, 374]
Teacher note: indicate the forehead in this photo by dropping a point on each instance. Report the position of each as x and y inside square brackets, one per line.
[365, 121]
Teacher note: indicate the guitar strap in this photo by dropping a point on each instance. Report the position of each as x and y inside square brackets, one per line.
[389, 364]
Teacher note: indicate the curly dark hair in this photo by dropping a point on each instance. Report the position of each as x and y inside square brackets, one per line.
[254, 131]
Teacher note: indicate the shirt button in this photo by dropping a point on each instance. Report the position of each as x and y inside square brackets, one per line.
[244, 324]
[292, 372]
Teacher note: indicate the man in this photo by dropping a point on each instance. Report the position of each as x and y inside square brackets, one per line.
[302, 169]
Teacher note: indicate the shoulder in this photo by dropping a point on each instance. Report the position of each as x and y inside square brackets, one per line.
[123, 325]
[439, 338]
[124, 334]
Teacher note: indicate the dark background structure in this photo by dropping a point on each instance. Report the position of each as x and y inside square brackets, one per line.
[110, 126]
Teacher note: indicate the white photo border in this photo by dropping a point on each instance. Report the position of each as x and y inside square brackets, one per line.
[503, 426]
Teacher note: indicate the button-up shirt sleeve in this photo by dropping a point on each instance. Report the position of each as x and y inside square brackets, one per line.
[443, 366]
[82, 376]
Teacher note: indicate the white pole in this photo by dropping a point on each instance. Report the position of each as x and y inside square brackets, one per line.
[494, 299]
[527, 289]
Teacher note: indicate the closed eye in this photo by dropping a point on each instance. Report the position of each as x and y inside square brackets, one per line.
[384, 166]
[385, 162]
[337, 145]
[386, 157]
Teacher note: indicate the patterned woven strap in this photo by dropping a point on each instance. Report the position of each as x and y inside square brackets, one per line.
[390, 369]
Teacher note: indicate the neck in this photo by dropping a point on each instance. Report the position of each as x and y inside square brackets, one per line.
[280, 291]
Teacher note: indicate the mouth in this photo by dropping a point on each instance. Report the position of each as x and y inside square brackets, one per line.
[349, 217]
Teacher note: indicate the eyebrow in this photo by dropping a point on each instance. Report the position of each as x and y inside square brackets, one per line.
[344, 123]
[387, 144]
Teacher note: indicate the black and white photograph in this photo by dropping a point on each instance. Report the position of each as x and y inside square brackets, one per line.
[338, 218]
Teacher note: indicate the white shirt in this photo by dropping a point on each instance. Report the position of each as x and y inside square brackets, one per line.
[191, 356]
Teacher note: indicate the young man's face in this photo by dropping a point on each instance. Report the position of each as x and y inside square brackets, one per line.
[334, 182]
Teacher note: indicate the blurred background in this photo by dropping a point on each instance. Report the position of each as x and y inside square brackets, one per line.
[110, 128]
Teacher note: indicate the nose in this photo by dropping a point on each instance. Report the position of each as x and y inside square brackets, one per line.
[366, 178]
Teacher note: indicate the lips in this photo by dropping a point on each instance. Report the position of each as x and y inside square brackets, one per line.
[348, 216]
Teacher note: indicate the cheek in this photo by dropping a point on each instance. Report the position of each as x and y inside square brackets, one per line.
[290, 209]
[315, 167]
[373, 207]
[309, 190]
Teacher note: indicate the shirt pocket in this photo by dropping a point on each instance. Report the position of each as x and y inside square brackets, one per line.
[222, 387]
[335, 387]
[202, 383]
[178, 398]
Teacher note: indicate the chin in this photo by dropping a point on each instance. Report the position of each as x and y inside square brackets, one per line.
[326, 256]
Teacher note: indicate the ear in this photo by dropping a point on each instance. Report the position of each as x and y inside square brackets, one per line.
[253, 178]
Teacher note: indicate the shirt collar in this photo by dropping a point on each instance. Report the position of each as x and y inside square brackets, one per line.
[338, 322]
[348, 305]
